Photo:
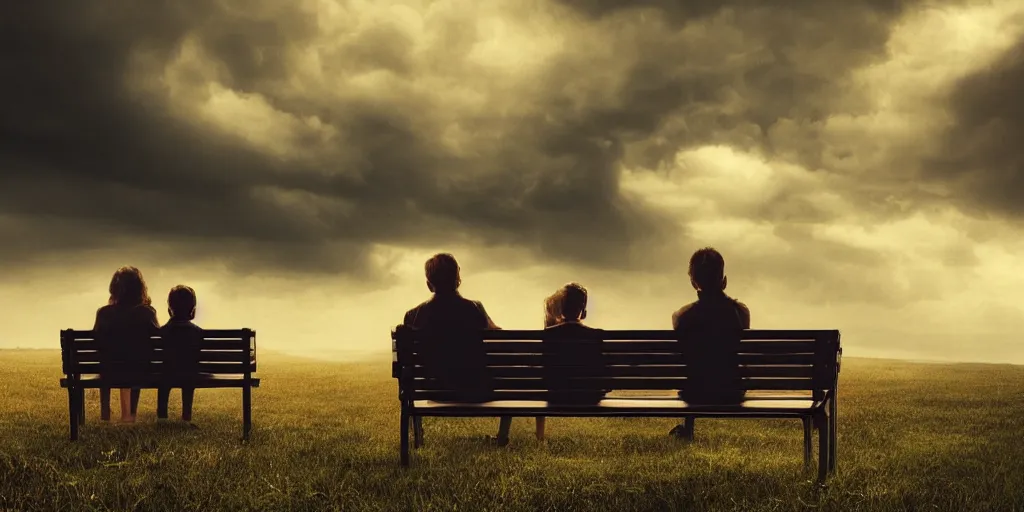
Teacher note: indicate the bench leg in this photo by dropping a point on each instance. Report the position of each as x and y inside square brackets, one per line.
[73, 412]
[417, 431]
[688, 428]
[833, 419]
[81, 406]
[104, 404]
[134, 396]
[246, 412]
[823, 445]
[504, 428]
[808, 448]
[404, 432]
[163, 398]
[187, 396]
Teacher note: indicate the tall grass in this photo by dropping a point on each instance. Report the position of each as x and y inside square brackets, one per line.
[911, 437]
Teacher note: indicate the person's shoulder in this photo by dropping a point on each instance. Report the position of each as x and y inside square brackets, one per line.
[683, 316]
[470, 304]
[175, 324]
[191, 328]
[103, 315]
[744, 313]
[688, 309]
[145, 310]
[418, 307]
[410, 316]
[739, 305]
[572, 327]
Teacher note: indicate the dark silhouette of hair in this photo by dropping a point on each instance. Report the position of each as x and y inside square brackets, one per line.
[553, 309]
[128, 288]
[707, 269]
[443, 273]
[181, 301]
[574, 300]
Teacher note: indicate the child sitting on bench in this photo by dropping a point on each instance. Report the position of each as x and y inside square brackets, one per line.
[181, 346]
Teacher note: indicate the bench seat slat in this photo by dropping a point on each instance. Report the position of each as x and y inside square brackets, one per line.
[805, 372]
[613, 407]
[662, 394]
[636, 347]
[156, 367]
[656, 335]
[216, 381]
[657, 383]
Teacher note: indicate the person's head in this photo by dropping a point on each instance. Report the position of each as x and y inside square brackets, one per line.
[707, 270]
[128, 288]
[181, 303]
[574, 302]
[442, 273]
[553, 309]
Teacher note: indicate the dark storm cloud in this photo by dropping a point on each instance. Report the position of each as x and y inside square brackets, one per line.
[682, 11]
[755, 65]
[982, 156]
[82, 151]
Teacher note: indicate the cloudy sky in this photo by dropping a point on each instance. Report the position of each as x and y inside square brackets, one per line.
[859, 163]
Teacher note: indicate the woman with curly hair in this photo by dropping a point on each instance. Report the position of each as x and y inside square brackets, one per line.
[124, 326]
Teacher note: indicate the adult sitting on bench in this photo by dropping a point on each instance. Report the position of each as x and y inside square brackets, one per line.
[128, 316]
[456, 360]
[710, 330]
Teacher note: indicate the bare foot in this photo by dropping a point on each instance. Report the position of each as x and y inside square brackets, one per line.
[128, 419]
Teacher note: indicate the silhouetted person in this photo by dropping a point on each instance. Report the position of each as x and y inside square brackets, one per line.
[569, 350]
[552, 317]
[456, 353]
[575, 356]
[182, 339]
[123, 328]
[710, 331]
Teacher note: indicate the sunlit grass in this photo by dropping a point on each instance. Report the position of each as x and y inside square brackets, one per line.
[911, 437]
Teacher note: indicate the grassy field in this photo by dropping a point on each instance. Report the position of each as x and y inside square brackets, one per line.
[911, 437]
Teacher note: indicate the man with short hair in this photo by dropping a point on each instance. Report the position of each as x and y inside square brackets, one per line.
[181, 345]
[460, 362]
[447, 309]
[709, 330]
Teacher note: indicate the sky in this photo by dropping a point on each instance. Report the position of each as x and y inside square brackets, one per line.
[858, 163]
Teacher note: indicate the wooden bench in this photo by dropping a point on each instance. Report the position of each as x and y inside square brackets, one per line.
[786, 374]
[226, 358]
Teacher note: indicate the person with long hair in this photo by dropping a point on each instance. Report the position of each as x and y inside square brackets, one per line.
[123, 326]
